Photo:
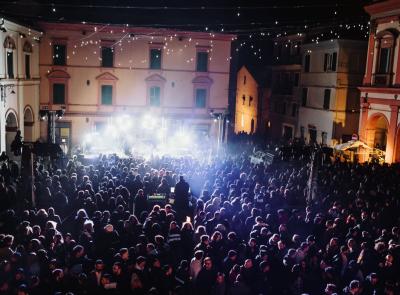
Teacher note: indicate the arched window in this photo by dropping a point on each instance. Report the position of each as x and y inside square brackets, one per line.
[9, 45]
[385, 43]
[27, 58]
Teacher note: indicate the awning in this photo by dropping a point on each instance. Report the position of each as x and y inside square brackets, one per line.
[352, 144]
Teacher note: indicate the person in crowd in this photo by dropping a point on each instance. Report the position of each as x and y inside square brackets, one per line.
[255, 229]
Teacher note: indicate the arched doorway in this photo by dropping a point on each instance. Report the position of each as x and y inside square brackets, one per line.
[252, 126]
[11, 130]
[28, 125]
[377, 129]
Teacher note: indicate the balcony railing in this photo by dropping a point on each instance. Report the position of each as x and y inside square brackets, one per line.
[383, 79]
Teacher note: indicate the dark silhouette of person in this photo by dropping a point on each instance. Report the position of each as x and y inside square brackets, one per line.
[16, 144]
[182, 198]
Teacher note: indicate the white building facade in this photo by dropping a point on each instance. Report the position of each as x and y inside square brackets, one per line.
[19, 80]
[329, 103]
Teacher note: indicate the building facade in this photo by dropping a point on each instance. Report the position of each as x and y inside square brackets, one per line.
[285, 78]
[246, 110]
[328, 93]
[19, 83]
[379, 119]
[96, 73]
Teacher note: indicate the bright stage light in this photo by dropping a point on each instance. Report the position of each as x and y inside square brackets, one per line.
[149, 122]
[111, 130]
[183, 139]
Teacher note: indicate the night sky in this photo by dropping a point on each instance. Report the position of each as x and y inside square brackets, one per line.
[254, 22]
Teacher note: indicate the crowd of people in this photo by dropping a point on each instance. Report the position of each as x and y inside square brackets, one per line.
[226, 227]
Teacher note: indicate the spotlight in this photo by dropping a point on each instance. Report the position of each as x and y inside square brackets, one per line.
[43, 114]
[60, 113]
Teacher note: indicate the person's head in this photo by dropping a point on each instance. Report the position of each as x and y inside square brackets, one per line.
[205, 239]
[99, 265]
[330, 289]
[199, 254]
[354, 287]
[207, 263]
[124, 254]
[220, 278]
[141, 262]
[22, 290]
[373, 278]
[232, 254]
[117, 268]
[248, 263]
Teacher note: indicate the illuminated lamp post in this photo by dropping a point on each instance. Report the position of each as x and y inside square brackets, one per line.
[51, 117]
[220, 118]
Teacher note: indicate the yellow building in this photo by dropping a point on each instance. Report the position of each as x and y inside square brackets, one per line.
[246, 102]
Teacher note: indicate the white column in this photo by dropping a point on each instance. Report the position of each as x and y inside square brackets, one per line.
[20, 99]
[2, 124]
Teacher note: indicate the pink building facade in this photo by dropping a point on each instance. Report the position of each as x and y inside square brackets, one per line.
[98, 72]
[379, 117]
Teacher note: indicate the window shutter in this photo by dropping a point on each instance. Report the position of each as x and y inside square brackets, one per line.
[201, 98]
[58, 93]
[326, 61]
[334, 61]
[106, 94]
[327, 98]
[155, 59]
[59, 55]
[10, 65]
[27, 66]
[202, 62]
[304, 97]
[107, 57]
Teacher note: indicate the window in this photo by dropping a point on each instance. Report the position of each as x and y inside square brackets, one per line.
[202, 61]
[201, 95]
[59, 55]
[384, 60]
[100, 126]
[330, 61]
[155, 100]
[327, 98]
[27, 66]
[296, 79]
[250, 100]
[304, 97]
[58, 93]
[107, 57]
[294, 110]
[307, 60]
[106, 94]
[10, 64]
[244, 80]
[155, 59]
[244, 99]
